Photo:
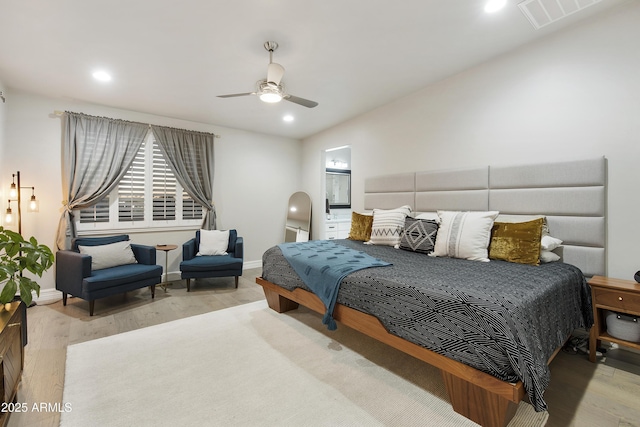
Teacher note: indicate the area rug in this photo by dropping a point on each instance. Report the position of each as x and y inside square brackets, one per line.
[250, 366]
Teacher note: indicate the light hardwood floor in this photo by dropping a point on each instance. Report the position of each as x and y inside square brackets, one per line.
[604, 394]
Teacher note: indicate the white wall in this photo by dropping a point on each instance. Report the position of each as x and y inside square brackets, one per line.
[573, 95]
[3, 109]
[254, 176]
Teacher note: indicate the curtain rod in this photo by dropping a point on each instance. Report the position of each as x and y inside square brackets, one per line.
[60, 113]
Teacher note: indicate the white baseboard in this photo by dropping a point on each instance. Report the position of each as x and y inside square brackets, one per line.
[48, 296]
[252, 264]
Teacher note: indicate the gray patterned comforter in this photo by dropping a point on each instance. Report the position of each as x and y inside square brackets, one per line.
[502, 318]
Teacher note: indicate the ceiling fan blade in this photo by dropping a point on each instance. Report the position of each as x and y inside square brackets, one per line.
[236, 94]
[275, 73]
[301, 101]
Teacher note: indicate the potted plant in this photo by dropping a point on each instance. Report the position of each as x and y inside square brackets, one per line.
[17, 255]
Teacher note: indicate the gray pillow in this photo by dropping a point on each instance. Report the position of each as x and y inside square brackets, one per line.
[419, 235]
[111, 255]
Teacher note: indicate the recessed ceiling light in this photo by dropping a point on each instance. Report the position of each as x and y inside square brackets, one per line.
[494, 5]
[102, 76]
[288, 118]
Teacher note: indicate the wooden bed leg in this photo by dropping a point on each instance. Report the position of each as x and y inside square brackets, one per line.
[478, 404]
[279, 303]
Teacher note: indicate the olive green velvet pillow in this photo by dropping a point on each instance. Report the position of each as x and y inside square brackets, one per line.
[517, 242]
[360, 227]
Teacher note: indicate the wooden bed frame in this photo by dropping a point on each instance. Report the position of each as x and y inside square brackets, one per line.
[572, 196]
[474, 394]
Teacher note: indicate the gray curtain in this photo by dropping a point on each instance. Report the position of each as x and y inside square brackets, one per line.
[96, 153]
[190, 156]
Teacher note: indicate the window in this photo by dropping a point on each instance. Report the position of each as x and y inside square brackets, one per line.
[148, 196]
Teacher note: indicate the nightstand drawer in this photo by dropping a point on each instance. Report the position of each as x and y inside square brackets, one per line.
[627, 301]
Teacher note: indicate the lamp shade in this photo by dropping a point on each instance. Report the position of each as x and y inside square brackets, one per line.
[8, 219]
[34, 205]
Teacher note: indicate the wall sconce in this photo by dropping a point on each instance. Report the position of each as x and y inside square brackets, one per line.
[14, 194]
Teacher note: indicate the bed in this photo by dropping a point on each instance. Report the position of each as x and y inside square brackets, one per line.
[489, 361]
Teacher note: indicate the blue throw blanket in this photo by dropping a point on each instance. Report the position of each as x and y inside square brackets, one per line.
[322, 264]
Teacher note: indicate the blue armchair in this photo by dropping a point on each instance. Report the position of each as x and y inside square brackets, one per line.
[195, 267]
[75, 276]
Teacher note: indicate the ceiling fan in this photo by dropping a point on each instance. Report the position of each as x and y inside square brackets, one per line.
[271, 89]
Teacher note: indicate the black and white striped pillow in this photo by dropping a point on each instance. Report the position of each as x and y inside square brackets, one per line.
[464, 235]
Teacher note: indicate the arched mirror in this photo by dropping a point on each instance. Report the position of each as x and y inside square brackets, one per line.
[298, 225]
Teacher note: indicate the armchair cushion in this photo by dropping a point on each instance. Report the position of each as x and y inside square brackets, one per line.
[109, 255]
[211, 263]
[120, 275]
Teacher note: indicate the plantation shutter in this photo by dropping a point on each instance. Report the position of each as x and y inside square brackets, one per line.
[164, 188]
[131, 190]
[96, 213]
[190, 209]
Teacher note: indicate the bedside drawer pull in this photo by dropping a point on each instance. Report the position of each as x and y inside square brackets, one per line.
[626, 317]
[619, 298]
[14, 324]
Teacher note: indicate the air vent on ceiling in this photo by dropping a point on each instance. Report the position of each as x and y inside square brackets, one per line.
[544, 12]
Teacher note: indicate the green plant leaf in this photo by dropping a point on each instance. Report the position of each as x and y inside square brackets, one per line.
[8, 292]
[17, 255]
[26, 287]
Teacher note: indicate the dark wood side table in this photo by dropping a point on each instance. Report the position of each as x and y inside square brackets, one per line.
[11, 354]
[618, 295]
[166, 249]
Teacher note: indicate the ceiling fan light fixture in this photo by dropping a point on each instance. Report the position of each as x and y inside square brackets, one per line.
[269, 92]
[271, 89]
[270, 97]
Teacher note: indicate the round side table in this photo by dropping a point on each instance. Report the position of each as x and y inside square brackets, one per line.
[166, 249]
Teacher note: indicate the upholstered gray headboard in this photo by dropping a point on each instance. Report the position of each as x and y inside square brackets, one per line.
[572, 195]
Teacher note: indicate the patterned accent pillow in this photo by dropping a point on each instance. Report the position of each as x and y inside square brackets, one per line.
[360, 227]
[419, 235]
[464, 235]
[388, 225]
[517, 242]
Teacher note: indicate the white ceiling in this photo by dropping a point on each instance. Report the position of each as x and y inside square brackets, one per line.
[171, 58]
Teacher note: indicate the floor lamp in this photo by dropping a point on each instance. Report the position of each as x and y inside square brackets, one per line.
[15, 195]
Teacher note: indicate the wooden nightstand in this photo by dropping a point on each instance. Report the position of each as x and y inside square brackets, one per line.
[618, 295]
[11, 355]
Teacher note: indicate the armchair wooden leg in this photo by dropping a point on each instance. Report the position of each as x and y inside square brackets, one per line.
[64, 298]
[188, 285]
[153, 291]
[237, 277]
[92, 304]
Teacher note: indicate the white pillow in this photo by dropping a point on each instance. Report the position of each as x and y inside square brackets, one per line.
[548, 256]
[387, 226]
[213, 242]
[111, 255]
[548, 243]
[464, 235]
